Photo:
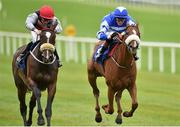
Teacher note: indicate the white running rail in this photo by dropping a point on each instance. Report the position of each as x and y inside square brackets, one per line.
[79, 49]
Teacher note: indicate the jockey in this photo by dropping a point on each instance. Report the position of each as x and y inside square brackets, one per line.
[35, 22]
[113, 23]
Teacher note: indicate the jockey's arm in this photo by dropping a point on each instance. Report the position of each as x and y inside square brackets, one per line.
[103, 33]
[30, 21]
[58, 28]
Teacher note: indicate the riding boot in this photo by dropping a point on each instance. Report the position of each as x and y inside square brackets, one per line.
[58, 60]
[23, 54]
[101, 50]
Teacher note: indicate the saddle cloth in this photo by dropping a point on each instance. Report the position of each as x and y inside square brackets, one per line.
[107, 53]
[23, 63]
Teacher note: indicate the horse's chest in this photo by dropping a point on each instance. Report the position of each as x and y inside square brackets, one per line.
[121, 81]
[43, 77]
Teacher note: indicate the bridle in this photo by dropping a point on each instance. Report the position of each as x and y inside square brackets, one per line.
[130, 37]
[47, 46]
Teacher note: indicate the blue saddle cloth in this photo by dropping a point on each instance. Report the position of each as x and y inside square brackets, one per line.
[23, 63]
[105, 55]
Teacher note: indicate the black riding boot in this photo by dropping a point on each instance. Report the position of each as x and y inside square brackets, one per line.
[24, 53]
[57, 56]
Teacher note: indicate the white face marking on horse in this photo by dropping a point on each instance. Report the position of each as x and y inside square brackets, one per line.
[135, 44]
[48, 34]
[47, 56]
[134, 31]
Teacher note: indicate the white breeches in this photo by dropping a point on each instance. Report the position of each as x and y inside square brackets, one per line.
[35, 37]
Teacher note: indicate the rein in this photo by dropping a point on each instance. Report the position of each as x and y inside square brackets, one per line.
[31, 52]
[127, 40]
[121, 66]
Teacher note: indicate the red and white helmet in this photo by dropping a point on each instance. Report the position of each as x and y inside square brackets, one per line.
[47, 12]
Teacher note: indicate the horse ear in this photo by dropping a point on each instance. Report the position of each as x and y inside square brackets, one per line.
[137, 25]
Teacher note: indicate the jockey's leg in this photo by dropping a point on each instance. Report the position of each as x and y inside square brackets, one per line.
[101, 50]
[25, 52]
[57, 56]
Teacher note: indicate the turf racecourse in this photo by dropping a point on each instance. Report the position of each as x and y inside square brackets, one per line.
[158, 95]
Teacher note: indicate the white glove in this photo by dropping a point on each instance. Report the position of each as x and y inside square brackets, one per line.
[37, 31]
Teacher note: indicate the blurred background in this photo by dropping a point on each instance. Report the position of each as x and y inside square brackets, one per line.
[158, 79]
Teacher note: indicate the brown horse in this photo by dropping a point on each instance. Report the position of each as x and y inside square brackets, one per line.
[41, 73]
[119, 71]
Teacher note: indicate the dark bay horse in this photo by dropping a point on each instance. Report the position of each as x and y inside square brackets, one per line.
[119, 71]
[41, 74]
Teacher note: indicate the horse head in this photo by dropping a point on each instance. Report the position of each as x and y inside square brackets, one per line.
[47, 45]
[132, 38]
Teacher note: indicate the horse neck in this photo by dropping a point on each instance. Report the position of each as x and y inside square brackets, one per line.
[123, 56]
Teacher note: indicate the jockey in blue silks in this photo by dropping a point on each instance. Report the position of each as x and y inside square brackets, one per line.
[113, 23]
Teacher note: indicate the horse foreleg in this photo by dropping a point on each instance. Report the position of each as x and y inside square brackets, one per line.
[23, 107]
[37, 94]
[51, 93]
[109, 109]
[133, 93]
[92, 80]
[32, 104]
[119, 111]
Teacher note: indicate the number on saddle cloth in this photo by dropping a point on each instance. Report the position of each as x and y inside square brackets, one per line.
[105, 55]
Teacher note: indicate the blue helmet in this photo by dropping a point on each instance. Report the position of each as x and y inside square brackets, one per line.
[120, 12]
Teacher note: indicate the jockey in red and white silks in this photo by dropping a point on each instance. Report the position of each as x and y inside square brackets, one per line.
[35, 22]
[40, 19]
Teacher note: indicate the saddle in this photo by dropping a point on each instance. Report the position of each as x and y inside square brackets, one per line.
[107, 53]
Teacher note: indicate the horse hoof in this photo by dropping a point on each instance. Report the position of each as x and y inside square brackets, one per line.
[98, 118]
[118, 120]
[127, 114]
[28, 123]
[107, 110]
[41, 122]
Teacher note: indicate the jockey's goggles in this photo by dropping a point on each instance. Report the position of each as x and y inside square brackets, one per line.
[120, 19]
[44, 19]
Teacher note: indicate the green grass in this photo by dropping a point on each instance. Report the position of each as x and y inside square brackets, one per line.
[158, 93]
[158, 96]
[157, 24]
